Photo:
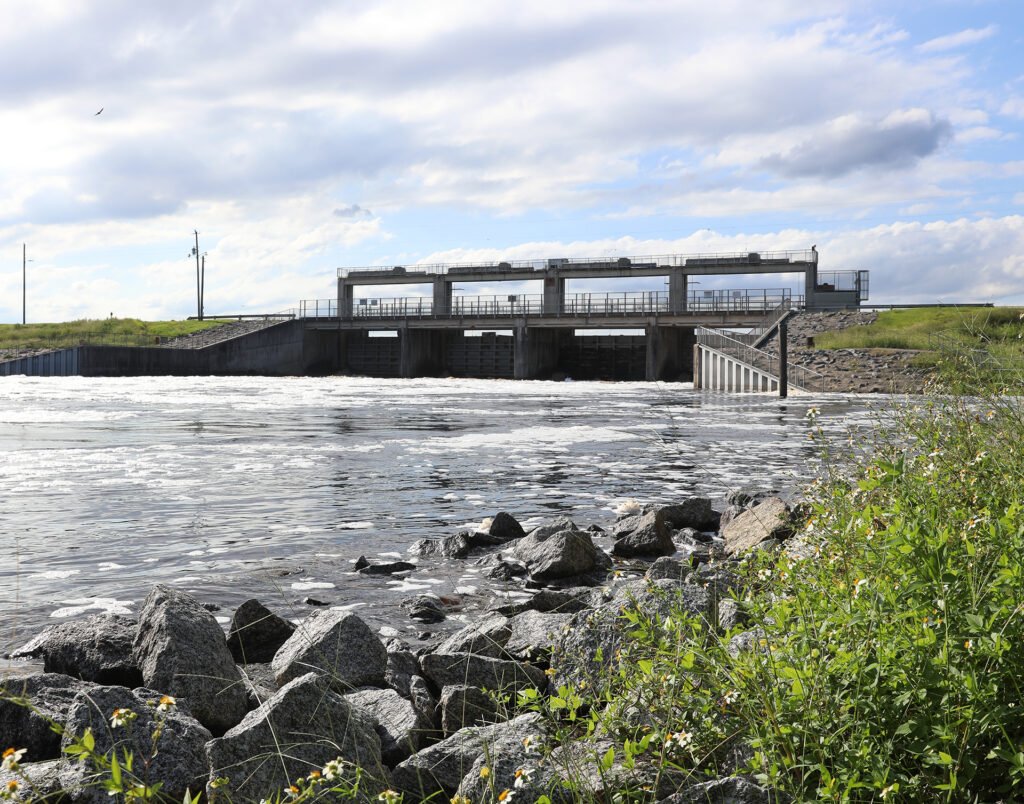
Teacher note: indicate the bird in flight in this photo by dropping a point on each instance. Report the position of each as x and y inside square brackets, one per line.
[100, 111]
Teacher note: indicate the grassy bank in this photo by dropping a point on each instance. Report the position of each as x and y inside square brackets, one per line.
[995, 329]
[113, 331]
[885, 662]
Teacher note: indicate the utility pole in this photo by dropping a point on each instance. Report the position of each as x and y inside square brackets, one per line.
[202, 291]
[23, 261]
[199, 289]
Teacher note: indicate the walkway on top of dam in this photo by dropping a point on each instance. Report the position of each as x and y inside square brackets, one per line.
[679, 305]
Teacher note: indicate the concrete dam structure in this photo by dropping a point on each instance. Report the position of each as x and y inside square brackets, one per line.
[550, 334]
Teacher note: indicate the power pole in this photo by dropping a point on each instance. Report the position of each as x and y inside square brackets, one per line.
[23, 261]
[199, 289]
[202, 291]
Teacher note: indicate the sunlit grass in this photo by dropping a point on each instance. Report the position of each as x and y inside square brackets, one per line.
[114, 331]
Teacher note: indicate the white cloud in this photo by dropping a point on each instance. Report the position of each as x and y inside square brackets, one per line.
[968, 36]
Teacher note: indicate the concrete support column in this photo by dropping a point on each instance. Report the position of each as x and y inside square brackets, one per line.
[422, 352]
[536, 352]
[810, 283]
[346, 293]
[783, 359]
[554, 294]
[669, 352]
[697, 367]
[678, 290]
[442, 296]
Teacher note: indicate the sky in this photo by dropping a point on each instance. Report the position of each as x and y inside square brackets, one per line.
[300, 136]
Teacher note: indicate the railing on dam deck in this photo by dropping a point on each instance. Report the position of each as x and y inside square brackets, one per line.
[579, 304]
[799, 376]
[568, 264]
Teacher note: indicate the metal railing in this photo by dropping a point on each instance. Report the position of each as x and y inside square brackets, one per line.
[753, 258]
[759, 334]
[578, 304]
[798, 376]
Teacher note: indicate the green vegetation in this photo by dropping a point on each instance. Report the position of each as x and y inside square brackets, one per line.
[884, 663]
[994, 329]
[111, 331]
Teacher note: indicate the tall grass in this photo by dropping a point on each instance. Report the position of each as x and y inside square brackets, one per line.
[113, 331]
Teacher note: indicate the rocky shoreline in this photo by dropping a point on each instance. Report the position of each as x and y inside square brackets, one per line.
[421, 720]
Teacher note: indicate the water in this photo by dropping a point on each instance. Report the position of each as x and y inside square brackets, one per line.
[233, 488]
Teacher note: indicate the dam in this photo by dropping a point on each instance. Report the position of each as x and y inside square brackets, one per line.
[436, 330]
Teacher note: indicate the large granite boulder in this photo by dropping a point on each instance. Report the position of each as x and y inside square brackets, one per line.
[401, 728]
[589, 643]
[337, 644]
[648, 535]
[30, 706]
[497, 675]
[38, 782]
[502, 527]
[182, 651]
[463, 706]
[562, 554]
[97, 648]
[769, 519]
[438, 770]
[566, 601]
[534, 634]
[671, 568]
[695, 512]
[734, 790]
[177, 758]
[302, 728]
[256, 633]
[457, 546]
[486, 637]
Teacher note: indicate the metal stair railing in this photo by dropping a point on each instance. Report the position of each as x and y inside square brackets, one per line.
[799, 377]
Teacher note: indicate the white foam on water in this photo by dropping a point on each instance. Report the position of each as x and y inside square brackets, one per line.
[195, 553]
[55, 574]
[73, 608]
[466, 590]
[347, 607]
[361, 525]
[303, 586]
[388, 631]
[222, 619]
[107, 566]
[390, 555]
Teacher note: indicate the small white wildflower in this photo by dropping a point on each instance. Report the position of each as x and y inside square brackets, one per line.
[11, 758]
[167, 703]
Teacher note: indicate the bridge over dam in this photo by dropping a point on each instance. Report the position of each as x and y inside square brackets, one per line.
[436, 331]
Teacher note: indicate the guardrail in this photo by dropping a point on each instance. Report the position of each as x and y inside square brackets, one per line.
[798, 376]
[532, 304]
[570, 263]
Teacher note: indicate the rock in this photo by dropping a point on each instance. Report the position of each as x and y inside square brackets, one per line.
[479, 671]
[734, 790]
[552, 526]
[747, 496]
[463, 706]
[769, 519]
[567, 601]
[256, 633]
[457, 546]
[534, 634]
[486, 637]
[425, 609]
[730, 615]
[440, 768]
[259, 683]
[41, 778]
[337, 644]
[389, 568]
[505, 528]
[401, 728]
[602, 631]
[508, 755]
[562, 554]
[696, 513]
[747, 641]
[666, 567]
[506, 571]
[593, 781]
[312, 601]
[650, 535]
[182, 651]
[692, 537]
[97, 648]
[178, 759]
[28, 726]
[302, 728]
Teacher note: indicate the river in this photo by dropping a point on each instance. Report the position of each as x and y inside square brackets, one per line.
[261, 487]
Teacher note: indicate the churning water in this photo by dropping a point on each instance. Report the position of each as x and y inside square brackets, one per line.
[233, 488]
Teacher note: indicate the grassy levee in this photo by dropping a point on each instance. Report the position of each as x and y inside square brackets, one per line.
[992, 328]
[111, 331]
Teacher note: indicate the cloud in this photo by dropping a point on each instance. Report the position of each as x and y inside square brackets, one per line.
[968, 36]
[850, 144]
[352, 211]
